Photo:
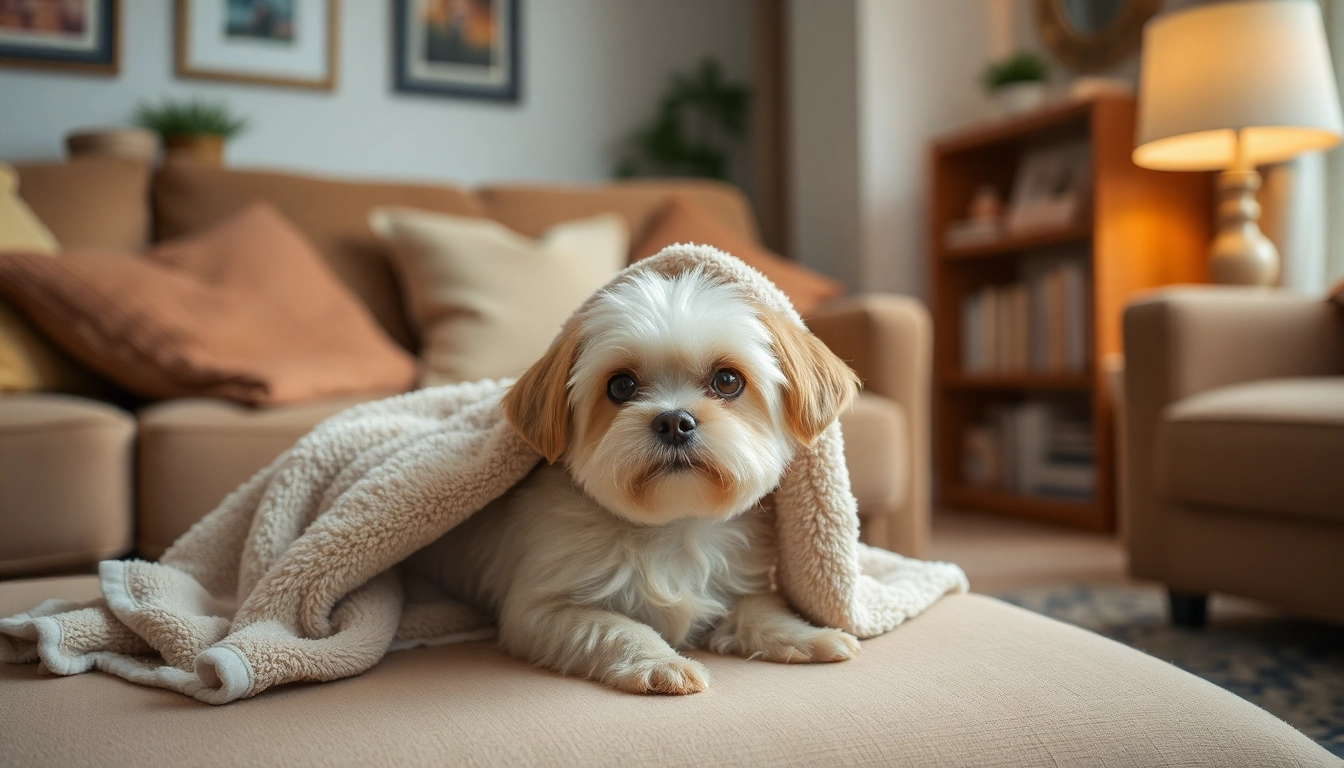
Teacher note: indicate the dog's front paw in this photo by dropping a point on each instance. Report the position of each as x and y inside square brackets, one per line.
[675, 675]
[802, 646]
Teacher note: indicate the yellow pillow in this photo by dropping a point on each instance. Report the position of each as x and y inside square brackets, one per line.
[487, 300]
[27, 361]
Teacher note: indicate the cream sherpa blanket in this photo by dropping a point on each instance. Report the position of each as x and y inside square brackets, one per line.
[293, 577]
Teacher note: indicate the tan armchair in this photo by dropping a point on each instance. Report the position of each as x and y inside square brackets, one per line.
[1234, 421]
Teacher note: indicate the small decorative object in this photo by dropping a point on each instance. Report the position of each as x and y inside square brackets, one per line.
[983, 222]
[70, 35]
[194, 130]
[1017, 83]
[466, 48]
[1050, 189]
[137, 143]
[1091, 36]
[1256, 87]
[701, 121]
[268, 42]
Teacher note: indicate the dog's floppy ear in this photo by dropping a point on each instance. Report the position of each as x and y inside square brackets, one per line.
[537, 406]
[818, 385]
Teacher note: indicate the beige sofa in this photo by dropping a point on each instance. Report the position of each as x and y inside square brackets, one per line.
[972, 682]
[87, 480]
[1234, 421]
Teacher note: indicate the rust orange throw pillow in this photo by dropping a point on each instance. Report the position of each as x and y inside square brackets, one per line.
[245, 310]
[684, 222]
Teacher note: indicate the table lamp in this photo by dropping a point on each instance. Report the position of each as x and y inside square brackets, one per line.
[1228, 87]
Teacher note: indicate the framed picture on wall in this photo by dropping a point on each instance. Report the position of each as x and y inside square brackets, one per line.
[290, 43]
[465, 48]
[73, 35]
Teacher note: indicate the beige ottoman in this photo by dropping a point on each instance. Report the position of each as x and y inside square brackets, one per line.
[65, 482]
[972, 682]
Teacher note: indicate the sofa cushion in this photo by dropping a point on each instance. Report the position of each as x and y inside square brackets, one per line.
[334, 215]
[488, 301]
[1274, 447]
[972, 681]
[194, 452]
[534, 209]
[683, 221]
[245, 310]
[94, 202]
[65, 482]
[877, 451]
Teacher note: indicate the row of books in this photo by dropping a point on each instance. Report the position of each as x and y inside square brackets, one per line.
[1038, 324]
[1036, 448]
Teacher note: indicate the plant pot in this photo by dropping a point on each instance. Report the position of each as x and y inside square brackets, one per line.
[135, 143]
[1016, 98]
[200, 149]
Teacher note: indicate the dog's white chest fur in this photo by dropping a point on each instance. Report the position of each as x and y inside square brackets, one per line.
[548, 541]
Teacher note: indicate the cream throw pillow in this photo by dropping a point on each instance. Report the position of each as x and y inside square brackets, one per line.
[486, 300]
[27, 361]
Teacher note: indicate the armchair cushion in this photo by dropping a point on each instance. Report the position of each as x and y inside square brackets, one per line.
[1270, 447]
[877, 442]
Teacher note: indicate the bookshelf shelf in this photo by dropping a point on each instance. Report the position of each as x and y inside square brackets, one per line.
[1078, 514]
[1055, 295]
[1011, 246]
[1016, 381]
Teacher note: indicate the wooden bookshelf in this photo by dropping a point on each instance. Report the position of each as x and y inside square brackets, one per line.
[1143, 229]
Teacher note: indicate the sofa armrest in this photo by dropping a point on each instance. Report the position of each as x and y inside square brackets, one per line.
[888, 341]
[1182, 341]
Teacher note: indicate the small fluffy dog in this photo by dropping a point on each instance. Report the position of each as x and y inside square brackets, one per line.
[673, 406]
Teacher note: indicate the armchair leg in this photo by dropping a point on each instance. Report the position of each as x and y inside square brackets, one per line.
[1188, 609]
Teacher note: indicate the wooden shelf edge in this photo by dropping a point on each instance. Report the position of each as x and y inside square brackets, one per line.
[1085, 515]
[1014, 127]
[1014, 244]
[1011, 381]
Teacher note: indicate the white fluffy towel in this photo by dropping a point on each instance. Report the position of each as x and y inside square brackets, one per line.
[293, 577]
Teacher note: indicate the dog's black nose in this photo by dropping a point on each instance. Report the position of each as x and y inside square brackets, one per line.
[673, 427]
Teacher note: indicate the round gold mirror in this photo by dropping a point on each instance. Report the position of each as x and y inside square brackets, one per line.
[1091, 35]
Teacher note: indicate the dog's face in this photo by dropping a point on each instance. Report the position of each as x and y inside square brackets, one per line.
[674, 397]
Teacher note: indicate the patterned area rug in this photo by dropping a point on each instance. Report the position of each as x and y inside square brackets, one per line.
[1293, 668]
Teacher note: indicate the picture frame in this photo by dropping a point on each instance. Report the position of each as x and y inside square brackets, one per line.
[283, 43]
[467, 49]
[83, 36]
[1051, 188]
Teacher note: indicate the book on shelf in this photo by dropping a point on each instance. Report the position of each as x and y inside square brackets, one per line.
[1034, 448]
[1038, 324]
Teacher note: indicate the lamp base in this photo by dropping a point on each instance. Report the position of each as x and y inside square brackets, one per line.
[1241, 254]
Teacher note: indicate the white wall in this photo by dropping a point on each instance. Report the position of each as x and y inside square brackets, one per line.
[872, 83]
[592, 69]
[823, 151]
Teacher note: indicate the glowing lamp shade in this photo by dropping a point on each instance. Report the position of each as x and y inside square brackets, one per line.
[1260, 68]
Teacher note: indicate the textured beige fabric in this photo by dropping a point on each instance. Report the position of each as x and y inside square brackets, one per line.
[888, 341]
[486, 300]
[95, 202]
[876, 440]
[288, 580]
[333, 214]
[972, 682]
[1274, 446]
[65, 482]
[533, 209]
[1180, 343]
[193, 452]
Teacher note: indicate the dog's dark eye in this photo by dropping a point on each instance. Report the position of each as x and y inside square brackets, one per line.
[622, 387]
[726, 383]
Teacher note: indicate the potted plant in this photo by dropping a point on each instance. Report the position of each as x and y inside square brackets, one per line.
[1018, 82]
[191, 130]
